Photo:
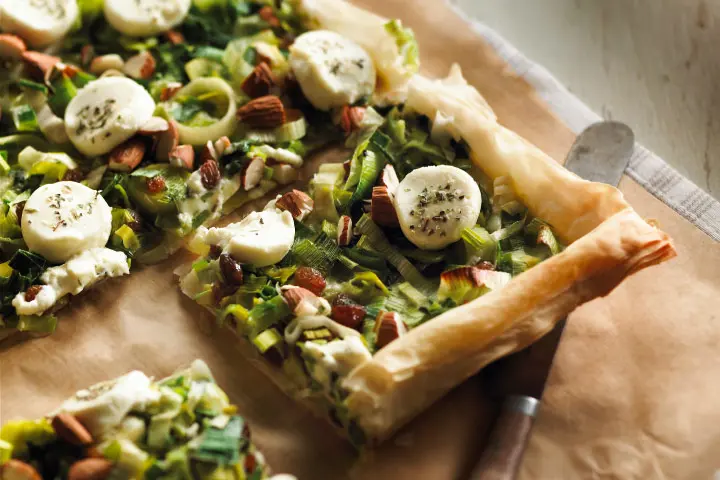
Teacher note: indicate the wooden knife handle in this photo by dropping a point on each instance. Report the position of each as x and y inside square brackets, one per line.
[501, 458]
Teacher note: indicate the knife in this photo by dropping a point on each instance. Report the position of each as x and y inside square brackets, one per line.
[600, 154]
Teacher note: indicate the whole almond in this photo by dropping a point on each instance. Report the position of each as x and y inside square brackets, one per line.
[90, 469]
[263, 112]
[183, 156]
[167, 141]
[297, 202]
[39, 64]
[17, 470]
[169, 90]
[69, 429]
[128, 155]
[210, 175]
[12, 47]
[260, 82]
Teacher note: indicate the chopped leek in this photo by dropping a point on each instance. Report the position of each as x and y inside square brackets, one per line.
[365, 287]
[380, 243]
[372, 165]
[507, 232]
[516, 261]
[479, 245]
[367, 258]
[320, 254]
[413, 294]
[128, 238]
[464, 284]
[406, 43]
[267, 339]
[6, 449]
[24, 118]
[63, 91]
[240, 315]
[4, 166]
[268, 313]
[44, 324]
[39, 87]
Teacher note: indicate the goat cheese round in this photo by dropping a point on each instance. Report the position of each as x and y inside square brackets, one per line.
[38, 22]
[332, 70]
[63, 219]
[105, 113]
[435, 204]
[144, 18]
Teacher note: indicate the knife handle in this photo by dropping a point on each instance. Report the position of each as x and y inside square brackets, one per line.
[501, 458]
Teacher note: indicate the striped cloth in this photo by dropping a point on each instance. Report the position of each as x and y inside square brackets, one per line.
[646, 168]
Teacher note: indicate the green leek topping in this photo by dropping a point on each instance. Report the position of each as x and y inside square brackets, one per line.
[267, 339]
[406, 43]
[24, 118]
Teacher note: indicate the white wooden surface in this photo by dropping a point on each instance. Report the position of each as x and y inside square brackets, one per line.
[654, 64]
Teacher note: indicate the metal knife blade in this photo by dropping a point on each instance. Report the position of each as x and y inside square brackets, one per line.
[600, 154]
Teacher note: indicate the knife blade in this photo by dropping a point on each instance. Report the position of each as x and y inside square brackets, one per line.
[600, 154]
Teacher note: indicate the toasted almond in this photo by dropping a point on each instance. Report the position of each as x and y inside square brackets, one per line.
[210, 174]
[18, 470]
[167, 141]
[182, 156]
[260, 82]
[140, 66]
[389, 179]
[169, 90]
[39, 64]
[221, 145]
[90, 469]
[263, 112]
[69, 429]
[382, 208]
[208, 152]
[284, 174]
[344, 231]
[128, 155]
[87, 53]
[103, 63]
[297, 202]
[12, 47]
[388, 327]
[252, 173]
[154, 126]
[293, 296]
[174, 37]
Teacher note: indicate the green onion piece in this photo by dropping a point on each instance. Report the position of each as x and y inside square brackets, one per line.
[37, 323]
[380, 243]
[479, 245]
[38, 87]
[24, 118]
[82, 78]
[4, 165]
[63, 91]
[267, 339]
[128, 238]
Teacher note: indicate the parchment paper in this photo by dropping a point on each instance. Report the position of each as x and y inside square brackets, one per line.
[633, 393]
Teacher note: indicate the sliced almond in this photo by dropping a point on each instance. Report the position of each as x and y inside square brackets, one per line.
[167, 141]
[260, 82]
[154, 126]
[18, 470]
[388, 327]
[389, 178]
[344, 231]
[296, 296]
[263, 112]
[252, 173]
[169, 90]
[182, 156]
[90, 469]
[103, 63]
[87, 53]
[382, 208]
[69, 429]
[39, 65]
[12, 47]
[284, 174]
[221, 145]
[298, 203]
[140, 66]
[174, 37]
[208, 152]
[128, 155]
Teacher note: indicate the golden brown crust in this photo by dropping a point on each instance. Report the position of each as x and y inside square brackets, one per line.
[609, 242]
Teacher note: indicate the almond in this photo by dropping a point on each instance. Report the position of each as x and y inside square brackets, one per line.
[298, 203]
[87, 53]
[221, 145]
[103, 63]
[208, 153]
[12, 47]
[382, 209]
[154, 126]
[303, 302]
[344, 231]
[69, 429]
[350, 118]
[167, 141]
[90, 469]
[39, 64]
[252, 173]
[182, 156]
[140, 66]
[260, 82]
[284, 174]
[169, 90]
[210, 175]
[128, 155]
[389, 178]
[263, 112]
[388, 327]
[268, 14]
[17, 470]
[174, 37]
